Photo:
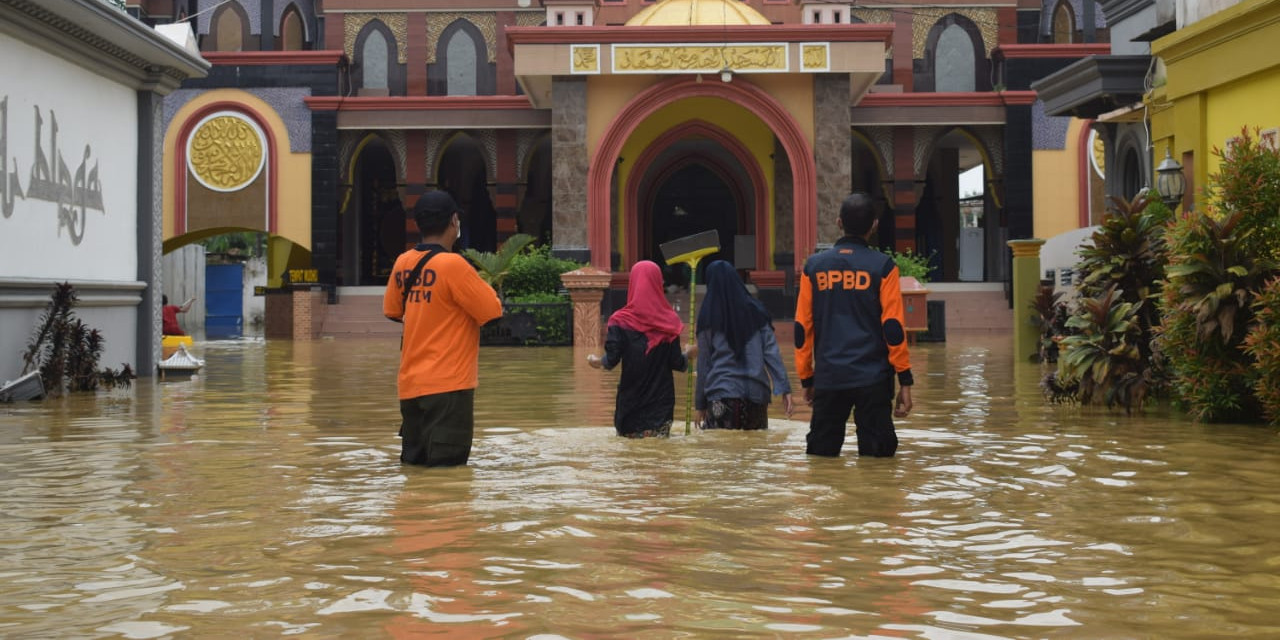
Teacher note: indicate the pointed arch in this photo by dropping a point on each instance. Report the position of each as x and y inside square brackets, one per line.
[228, 29]
[376, 70]
[462, 64]
[292, 29]
[644, 104]
[935, 65]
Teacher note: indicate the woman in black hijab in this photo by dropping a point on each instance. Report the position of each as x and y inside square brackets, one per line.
[739, 363]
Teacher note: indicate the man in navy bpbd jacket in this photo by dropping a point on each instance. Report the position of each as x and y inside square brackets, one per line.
[850, 340]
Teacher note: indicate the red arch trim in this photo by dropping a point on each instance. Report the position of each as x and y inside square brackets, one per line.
[764, 231]
[180, 162]
[754, 99]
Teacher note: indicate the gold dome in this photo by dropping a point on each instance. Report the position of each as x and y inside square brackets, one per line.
[670, 13]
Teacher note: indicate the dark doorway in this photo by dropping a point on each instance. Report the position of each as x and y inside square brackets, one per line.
[462, 173]
[535, 209]
[379, 233]
[691, 200]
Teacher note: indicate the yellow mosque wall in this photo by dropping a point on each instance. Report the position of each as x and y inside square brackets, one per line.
[293, 197]
[1055, 181]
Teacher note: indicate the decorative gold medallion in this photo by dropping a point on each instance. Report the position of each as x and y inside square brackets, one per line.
[813, 57]
[226, 152]
[586, 58]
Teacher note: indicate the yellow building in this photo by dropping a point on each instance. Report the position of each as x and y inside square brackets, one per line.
[1221, 74]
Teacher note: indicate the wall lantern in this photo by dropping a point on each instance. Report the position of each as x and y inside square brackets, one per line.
[1169, 181]
[726, 74]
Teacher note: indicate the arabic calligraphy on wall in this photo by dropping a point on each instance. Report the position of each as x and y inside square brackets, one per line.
[705, 58]
[50, 180]
[226, 152]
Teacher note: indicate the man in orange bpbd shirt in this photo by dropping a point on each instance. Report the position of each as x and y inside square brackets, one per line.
[442, 302]
[850, 341]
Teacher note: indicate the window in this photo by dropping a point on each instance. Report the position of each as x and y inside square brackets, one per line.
[374, 58]
[292, 34]
[954, 60]
[1064, 23]
[460, 64]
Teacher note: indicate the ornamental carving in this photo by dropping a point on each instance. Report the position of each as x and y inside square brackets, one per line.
[226, 152]
[763, 57]
[814, 57]
[486, 23]
[531, 18]
[586, 58]
[397, 23]
[923, 19]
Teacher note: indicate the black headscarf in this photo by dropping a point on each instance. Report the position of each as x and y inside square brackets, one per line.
[729, 308]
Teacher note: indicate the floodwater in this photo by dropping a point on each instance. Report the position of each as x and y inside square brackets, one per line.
[265, 498]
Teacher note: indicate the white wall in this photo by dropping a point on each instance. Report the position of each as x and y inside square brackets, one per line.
[94, 116]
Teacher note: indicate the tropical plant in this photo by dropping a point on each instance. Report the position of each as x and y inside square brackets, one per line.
[536, 271]
[66, 351]
[494, 266]
[912, 264]
[1220, 262]
[1263, 345]
[1111, 326]
[1051, 318]
[1103, 359]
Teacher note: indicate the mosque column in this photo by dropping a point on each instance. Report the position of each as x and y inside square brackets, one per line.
[569, 164]
[904, 189]
[504, 188]
[832, 149]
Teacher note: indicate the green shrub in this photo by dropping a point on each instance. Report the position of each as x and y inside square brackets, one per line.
[911, 264]
[495, 266]
[536, 271]
[1104, 346]
[1263, 344]
[553, 321]
[1220, 261]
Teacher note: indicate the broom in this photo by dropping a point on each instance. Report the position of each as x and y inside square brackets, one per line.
[689, 250]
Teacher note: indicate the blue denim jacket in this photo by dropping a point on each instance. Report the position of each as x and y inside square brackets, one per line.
[722, 375]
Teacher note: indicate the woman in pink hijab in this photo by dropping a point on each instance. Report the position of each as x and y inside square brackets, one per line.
[644, 336]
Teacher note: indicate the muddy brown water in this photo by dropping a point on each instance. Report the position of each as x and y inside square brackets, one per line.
[265, 498]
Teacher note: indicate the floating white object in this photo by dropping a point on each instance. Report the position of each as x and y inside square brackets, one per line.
[181, 363]
[27, 387]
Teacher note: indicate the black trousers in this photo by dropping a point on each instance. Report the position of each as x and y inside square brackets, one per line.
[872, 408]
[437, 429]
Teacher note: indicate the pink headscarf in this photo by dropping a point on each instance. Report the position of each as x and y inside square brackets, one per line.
[647, 310]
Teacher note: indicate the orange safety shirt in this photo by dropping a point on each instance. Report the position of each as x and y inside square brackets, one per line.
[442, 317]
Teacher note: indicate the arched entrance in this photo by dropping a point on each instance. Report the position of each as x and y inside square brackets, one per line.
[462, 172]
[535, 207]
[693, 195]
[373, 230]
[743, 93]
[958, 229]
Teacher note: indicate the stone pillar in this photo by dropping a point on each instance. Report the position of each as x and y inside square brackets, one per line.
[1026, 281]
[586, 288]
[832, 149]
[308, 305]
[569, 164]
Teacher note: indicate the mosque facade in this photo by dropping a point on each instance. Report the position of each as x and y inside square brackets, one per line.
[607, 127]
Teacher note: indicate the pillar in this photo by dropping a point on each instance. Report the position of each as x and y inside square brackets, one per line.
[1026, 281]
[832, 150]
[569, 164]
[586, 288]
[308, 307]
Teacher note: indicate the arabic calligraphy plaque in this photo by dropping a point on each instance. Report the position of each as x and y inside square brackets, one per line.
[226, 152]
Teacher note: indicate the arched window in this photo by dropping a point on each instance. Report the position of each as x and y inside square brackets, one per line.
[460, 64]
[229, 28]
[374, 57]
[1131, 174]
[1064, 23]
[954, 60]
[292, 32]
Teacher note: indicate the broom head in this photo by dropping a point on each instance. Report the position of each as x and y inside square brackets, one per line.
[692, 248]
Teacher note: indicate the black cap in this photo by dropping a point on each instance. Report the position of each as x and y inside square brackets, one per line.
[435, 202]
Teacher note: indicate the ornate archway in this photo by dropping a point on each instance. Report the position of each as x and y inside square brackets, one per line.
[739, 151]
[751, 97]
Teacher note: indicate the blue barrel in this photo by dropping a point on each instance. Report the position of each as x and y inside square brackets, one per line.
[224, 300]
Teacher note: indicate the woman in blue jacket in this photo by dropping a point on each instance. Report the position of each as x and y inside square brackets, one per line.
[739, 363]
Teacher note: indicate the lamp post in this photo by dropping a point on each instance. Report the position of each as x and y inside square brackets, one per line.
[1169, 180]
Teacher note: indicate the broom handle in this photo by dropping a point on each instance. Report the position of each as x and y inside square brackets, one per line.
[688, 405]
